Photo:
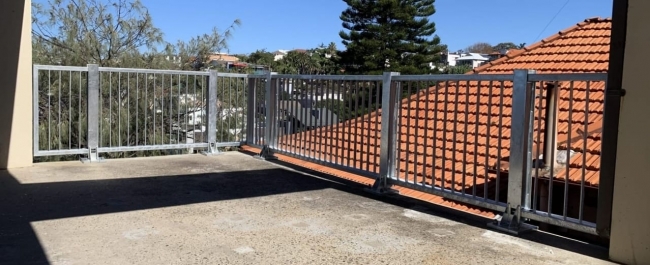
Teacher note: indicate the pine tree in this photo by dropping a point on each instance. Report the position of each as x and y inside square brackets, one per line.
[389, 35]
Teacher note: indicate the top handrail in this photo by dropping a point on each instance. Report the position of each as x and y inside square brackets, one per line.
[434, 77]
[144, 71]
[330, 77]
[60, 67]
[568, 77]
[152, 71]
[455, 77]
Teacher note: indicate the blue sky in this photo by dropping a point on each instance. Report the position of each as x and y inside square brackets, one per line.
[290, 24]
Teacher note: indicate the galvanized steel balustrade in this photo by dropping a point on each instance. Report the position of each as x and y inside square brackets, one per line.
[469, 138]
[328, 119]
[566, 136]
[524, 144]
[91, 110]
[450, 133]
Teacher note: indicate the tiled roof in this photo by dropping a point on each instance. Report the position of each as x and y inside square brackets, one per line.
[223, 57]
[583, 48]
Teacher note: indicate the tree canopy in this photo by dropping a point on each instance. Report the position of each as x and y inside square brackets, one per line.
[262, 57]
[388, 35]
[121, 33]
[480, 47]
[73, 32]
[197, 51]
[484, 47]
[504, 46]
[116, 33]
[315, 61]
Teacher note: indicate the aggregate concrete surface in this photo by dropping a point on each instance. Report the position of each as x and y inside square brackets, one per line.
[230, 209]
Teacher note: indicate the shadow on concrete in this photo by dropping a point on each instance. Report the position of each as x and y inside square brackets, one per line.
[22, 204]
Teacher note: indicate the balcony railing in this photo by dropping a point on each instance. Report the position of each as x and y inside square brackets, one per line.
[524, 144]
[131, 112]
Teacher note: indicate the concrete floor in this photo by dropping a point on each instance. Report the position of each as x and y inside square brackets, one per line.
[234, 209]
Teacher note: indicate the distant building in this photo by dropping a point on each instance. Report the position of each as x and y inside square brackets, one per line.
[472, 59]
[222, 60]
[279, 54]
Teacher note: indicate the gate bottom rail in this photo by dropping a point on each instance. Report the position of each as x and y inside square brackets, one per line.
[558, 220]
[456, 196]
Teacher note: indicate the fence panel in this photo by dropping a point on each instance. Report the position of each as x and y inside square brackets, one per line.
[232, 90]
[257, 106]
[147, 110]
[60, 111]
[330, 119]
[139, 112]
[452, 133]
[567, 124]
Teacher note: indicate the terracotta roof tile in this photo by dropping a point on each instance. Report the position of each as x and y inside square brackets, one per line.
[469, 162]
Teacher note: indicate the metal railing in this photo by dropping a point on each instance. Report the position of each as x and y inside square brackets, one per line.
[469, 138]
[60, 111]
[451, 132]
[566, 148]
[524, 144]
[329, 120]
[91, 110]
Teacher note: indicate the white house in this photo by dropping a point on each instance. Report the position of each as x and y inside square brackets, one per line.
[452, 57]
[195, 117]
[448, 59]
[473, 59]
[279, 54]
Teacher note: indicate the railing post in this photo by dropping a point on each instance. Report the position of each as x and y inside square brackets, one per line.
[212, 106]
[250, 111]
[270, 120]
[273, 112]
[388, 142]
[519, 179]
[93, 114]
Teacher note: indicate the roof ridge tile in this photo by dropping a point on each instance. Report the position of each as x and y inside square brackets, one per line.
[538, 44]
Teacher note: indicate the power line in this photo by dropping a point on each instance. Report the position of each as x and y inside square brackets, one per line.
[549, 23]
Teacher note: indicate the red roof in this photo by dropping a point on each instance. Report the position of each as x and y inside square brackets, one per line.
[583, 48]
